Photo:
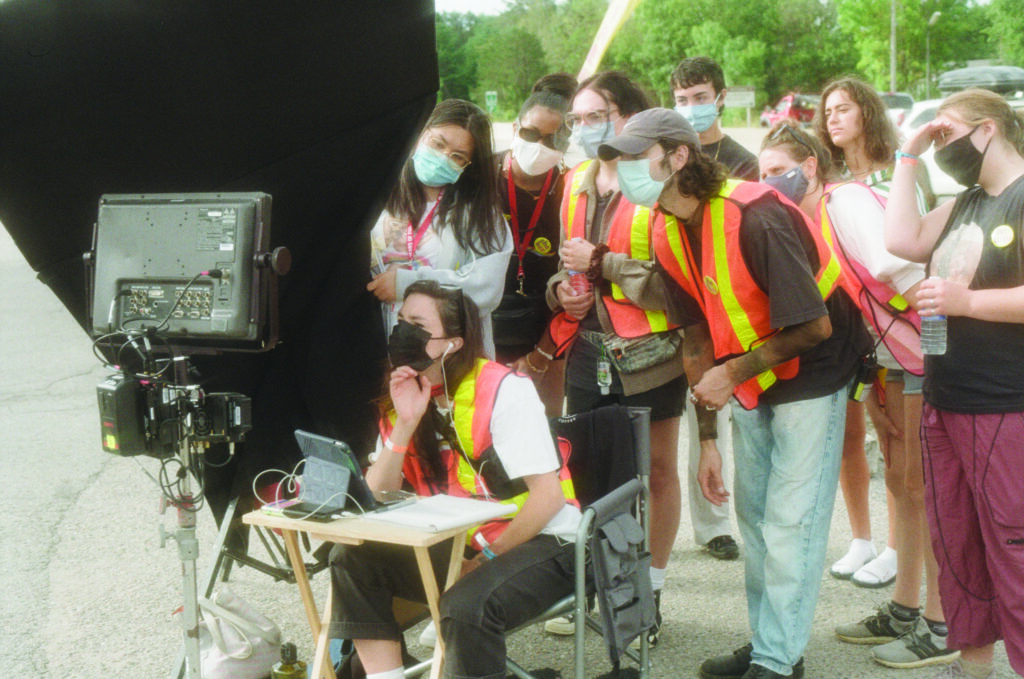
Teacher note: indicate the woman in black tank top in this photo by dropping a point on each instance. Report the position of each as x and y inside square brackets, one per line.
[973, 421]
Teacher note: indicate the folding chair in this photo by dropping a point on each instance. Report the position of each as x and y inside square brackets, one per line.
[623, 488]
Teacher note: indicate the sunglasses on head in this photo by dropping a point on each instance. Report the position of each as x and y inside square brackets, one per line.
[796, 135]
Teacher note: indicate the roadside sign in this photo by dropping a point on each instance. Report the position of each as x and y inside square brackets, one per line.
[491, 97]
[739, 96]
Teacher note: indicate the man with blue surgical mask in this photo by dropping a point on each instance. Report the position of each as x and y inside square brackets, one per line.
[768, 323]
[698, 86]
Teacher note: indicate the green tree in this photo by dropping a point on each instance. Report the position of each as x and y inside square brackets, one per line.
[1006, 19]
[456, 64]
[509, 60]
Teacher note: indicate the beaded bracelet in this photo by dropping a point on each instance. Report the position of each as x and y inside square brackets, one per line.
[534, 368]
[906, 158]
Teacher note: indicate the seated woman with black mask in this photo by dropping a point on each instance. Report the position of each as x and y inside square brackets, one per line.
[455, 422]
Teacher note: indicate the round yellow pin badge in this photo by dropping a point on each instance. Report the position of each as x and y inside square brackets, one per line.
[1002, 235]
[542, 245]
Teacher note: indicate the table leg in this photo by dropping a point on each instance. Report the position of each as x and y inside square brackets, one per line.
[291, 543]
[322, 668]
[434, 596]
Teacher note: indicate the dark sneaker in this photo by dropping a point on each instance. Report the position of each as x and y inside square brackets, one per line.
[879, 628]
[723, 547]
[917, 647]
[655, 632]
[737, 665]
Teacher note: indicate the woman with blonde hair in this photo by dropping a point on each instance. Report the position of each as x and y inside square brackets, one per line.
[973, 419]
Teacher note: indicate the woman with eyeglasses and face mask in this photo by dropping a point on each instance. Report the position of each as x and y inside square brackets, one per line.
[530, 184]
[597, 325]
[454, 422]
[798, 166]
[853, 127]
[973, 420]
[443, 221]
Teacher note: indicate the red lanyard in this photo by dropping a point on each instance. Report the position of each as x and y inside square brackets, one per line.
[412, 239]
[538, 208]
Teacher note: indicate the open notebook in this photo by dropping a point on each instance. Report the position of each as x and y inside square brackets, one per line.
[441, 512]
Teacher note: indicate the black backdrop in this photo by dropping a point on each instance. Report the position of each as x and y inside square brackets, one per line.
[316, 102]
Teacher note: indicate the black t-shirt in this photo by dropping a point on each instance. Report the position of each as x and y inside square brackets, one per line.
[782, 258]
[742, 163]
[520, 319]
[982, 370]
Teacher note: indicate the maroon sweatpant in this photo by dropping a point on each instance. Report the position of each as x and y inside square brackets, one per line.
[974, 484]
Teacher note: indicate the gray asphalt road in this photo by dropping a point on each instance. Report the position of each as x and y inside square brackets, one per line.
[86, 592]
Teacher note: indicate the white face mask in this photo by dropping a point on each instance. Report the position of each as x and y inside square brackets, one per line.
[533, 157]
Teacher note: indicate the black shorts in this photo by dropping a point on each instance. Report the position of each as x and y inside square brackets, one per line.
[665, 402]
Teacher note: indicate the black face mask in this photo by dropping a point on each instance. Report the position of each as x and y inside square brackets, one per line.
[961, 160]
[792, 184]
[408, 346]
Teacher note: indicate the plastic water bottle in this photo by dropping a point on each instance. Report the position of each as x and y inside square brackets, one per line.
[933, 335]
[578, 281]
[289, 667]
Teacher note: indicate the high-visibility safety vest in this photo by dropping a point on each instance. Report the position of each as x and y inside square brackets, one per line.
[628, 233]
[886, 310]
[736, 308]
[471, 409]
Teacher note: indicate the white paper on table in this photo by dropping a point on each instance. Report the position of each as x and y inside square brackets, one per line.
[441, 512]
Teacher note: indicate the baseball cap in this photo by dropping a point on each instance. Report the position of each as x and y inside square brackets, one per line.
[644, 129]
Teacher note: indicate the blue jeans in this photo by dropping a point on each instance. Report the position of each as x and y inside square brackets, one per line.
[787, 470]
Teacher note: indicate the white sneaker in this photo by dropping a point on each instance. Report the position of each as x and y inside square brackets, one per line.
[879, 572]
[860, 553]
[428, 637]
[563, 625]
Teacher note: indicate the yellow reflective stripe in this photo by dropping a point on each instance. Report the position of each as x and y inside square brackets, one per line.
[462, 413]
[675, 243]
[829, 276]
[738, 317]
[898, 302]
[640, 248]
[574, 197]
[766, 379]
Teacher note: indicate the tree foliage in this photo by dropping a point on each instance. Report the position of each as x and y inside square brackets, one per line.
[776, 46]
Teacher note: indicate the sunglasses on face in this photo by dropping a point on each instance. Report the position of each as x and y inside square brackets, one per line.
[558, 141]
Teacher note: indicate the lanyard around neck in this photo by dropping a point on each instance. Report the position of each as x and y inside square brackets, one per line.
[414, 236]
[524, 236]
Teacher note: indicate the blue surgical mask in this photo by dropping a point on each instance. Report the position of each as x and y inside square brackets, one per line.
[589, 137]
[700, 116]
[792, 184]
[433, 167]
[637, 184]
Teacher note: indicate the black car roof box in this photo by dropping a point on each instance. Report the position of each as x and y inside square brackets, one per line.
[1002, 79]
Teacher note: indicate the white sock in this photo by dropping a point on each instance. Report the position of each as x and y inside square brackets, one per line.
[861, 547]
[397, 673]
[657, 579]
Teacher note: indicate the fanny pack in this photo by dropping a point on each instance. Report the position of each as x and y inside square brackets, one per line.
[630, 355]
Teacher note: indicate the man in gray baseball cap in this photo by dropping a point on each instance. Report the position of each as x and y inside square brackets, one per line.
[653, 146]
[756, 287]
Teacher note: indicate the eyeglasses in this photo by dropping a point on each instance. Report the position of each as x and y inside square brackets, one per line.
[456, 159]
[599, 117]
[558, 141]
[797, 137]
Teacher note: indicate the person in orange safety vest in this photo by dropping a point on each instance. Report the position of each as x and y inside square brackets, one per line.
[456, 423]
[766, 320]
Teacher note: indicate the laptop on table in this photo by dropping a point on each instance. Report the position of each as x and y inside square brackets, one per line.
[333, 483]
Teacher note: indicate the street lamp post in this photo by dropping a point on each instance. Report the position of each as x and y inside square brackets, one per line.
[928, 54]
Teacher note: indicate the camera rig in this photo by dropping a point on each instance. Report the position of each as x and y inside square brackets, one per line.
[169, 275]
